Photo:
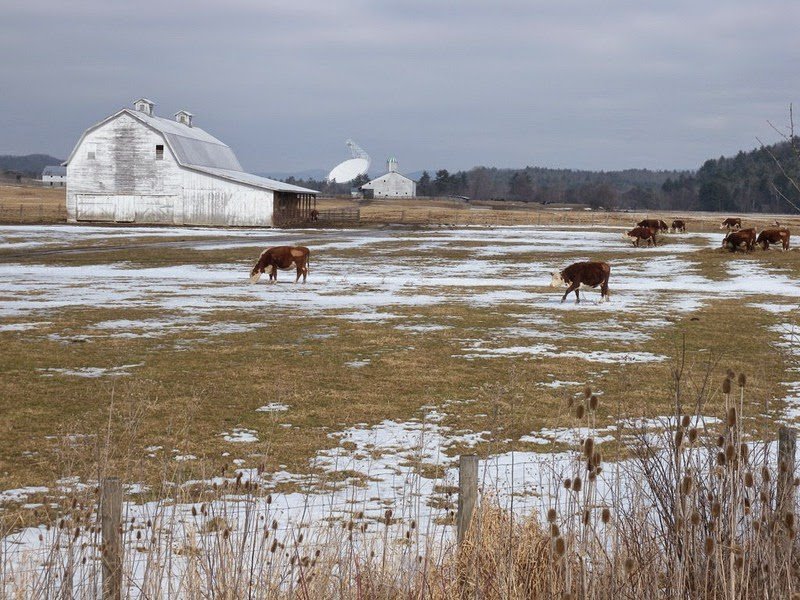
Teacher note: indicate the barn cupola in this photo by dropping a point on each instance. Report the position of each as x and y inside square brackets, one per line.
[392, 164]
[184, 117]
[143, 105]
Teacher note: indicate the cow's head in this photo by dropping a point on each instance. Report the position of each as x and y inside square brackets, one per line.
[557, 280]
[255, 274]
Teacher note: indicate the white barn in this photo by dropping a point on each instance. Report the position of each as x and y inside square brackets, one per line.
[54, 176]
[135, 167]
[391, 185]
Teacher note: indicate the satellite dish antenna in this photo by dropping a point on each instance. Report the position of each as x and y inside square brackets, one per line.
[350, 169]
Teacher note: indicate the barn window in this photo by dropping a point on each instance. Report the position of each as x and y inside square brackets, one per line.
[159, 151]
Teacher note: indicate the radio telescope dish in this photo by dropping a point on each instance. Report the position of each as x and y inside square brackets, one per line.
[351, 168]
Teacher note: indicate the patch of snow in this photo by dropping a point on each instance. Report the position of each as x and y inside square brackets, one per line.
[273, 407]
[90, 372]
[240, 436]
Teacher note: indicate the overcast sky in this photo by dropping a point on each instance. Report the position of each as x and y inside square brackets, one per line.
[583, 84]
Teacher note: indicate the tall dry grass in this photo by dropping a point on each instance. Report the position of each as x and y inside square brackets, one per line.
[694, 512]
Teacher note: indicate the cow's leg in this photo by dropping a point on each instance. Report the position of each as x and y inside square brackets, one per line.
[571, 288]
[577, 295]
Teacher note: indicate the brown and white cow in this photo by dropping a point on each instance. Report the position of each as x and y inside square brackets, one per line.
[582, 275]
[637, 234]
[679, 225]
[736, 239]
[731, 223]
[281, 257]
[774, 236]
[654, 224]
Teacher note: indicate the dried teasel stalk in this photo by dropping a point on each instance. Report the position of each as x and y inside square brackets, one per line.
[726, 386]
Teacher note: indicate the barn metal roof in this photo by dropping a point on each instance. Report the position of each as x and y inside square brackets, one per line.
[191, 145]
[199, 150]
[54, 171]
[384, 177]
[255, 180]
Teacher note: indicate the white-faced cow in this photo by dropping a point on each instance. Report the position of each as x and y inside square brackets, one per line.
[774, 236]
[582, 275]
[731, 223]
[637, 234]
[743, 238]
[281, 257]
[654, 224]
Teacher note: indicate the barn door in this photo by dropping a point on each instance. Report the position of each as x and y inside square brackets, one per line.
[91, 207]
[125, 209]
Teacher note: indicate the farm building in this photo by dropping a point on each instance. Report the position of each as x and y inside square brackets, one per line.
[135, 167]
[54, 176]
[391, 185]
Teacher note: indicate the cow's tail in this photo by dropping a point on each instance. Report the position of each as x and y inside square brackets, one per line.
[308, 261]
[604, 288]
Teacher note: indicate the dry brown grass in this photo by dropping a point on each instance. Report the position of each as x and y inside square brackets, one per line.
[32, 204]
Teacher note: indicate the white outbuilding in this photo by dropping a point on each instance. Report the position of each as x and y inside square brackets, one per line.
[54, 176]
[391, 185]
[136, 167]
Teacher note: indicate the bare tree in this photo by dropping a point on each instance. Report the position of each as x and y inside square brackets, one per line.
[793, 144]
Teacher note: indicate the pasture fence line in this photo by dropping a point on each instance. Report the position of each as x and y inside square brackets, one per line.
[31, 212]
[787, 449]
[467, 493]
[111, 527]
[339, 215]
[248, 523]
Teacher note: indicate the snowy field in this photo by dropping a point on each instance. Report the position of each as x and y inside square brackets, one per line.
[482, 292]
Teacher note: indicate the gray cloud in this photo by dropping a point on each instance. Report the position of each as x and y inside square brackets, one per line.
[438, 84]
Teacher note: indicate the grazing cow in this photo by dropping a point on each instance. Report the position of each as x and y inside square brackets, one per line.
[679, 225]
[648, 234]
[735, 239]
[313, 215]
[734, 223]
[583, 275]
[774, 236]
[281, 257]
[654, 224]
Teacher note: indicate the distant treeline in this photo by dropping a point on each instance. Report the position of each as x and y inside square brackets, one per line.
[30, 165]
[748, 182]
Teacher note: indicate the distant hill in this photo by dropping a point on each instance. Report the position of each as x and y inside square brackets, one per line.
[30, 165]
[748, 182]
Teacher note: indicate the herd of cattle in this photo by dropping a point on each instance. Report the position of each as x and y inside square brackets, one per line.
[736, 239]
[580, 275]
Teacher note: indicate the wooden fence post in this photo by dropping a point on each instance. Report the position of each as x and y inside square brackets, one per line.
[787, 444]
[111, 526]
[467, 492]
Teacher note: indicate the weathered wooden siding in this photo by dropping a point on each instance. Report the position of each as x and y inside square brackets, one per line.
[125, 182]
[124, 164]
[212, 201]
